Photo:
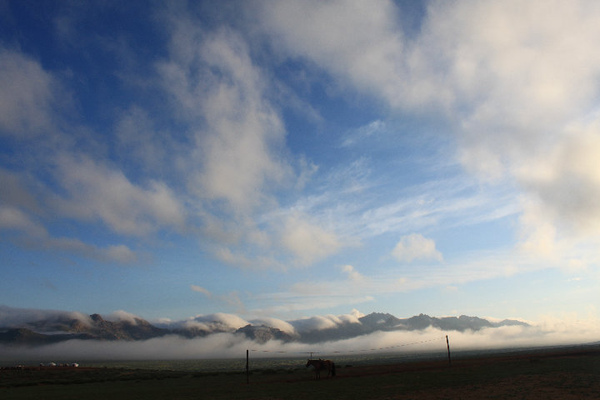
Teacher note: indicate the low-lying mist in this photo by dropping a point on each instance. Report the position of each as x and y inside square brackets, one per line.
[230, 345]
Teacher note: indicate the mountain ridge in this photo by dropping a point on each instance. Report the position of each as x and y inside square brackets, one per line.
[42, 332]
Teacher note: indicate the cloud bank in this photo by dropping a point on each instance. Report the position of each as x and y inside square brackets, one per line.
[517, 81]
[227, 345]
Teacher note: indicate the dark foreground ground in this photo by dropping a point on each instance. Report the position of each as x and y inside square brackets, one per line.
[566, 373]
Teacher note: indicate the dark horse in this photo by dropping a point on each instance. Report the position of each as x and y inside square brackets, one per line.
[320, 365]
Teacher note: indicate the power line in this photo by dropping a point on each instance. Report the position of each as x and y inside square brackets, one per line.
[373, 349]
[339, 351]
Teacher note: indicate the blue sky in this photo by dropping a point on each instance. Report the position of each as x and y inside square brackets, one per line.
[289, 159]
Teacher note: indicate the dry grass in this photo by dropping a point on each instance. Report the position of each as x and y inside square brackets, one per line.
[566, 374]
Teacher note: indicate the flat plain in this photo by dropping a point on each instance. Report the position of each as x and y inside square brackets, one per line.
[565, 373]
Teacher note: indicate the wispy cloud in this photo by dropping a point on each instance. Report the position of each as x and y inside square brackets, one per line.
[357, 135]
[200, 289]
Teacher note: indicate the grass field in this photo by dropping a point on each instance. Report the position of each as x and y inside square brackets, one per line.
[572, 373]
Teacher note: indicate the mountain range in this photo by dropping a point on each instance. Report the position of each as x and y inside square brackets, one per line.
[95, 327]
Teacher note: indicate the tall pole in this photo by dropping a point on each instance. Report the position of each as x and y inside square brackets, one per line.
[448, 345]
[248, 366]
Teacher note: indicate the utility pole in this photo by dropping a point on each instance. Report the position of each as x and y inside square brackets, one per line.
[448, 345]
[247, 367]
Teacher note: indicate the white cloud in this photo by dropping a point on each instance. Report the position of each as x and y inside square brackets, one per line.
[357, 42]
[214, 80]
[247, 259]
[307, 241]
[520, 86]
[416, 247]
[96, 191]
[352, 273]
[138, 141]
[15, 219]
[283, 326]
[35, 236]
[511, 77]
[27, 97]
[170, 347]
[121, 254]
[571, 328]
[11, 317]
[121, 315]
[237, 157]
[322, 322]
[539, 236]
[316, 295]
[200, 289]
[228, 345]
[216, 322]
[566, 179]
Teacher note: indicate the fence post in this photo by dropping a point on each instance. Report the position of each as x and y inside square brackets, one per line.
[448, 345]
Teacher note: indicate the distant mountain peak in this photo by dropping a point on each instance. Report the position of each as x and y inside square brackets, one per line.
[378, 318]
[97, 318]
[42, 332]
[263, 333]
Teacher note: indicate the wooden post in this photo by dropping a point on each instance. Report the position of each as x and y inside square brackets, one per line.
[448, 345]
[247, 367]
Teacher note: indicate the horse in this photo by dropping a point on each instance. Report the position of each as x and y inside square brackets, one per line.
[322, 364]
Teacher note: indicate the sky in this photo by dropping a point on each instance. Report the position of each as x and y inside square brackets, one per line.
[292, 159]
